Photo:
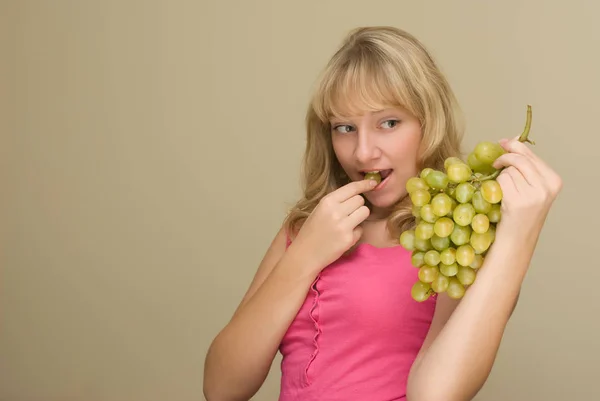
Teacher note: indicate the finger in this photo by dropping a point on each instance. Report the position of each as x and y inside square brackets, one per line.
[516, 146]
[357, 232]
[352, 204]
[521, 163]
[507, 184]
[517, 178]
[358, 216]
[354, 188]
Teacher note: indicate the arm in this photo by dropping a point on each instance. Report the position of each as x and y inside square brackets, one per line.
[461, 347]
[239, 359]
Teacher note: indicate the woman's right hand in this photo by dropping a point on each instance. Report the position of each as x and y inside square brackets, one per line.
[334, 225]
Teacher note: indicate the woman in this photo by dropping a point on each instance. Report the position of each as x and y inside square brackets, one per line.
[332, 293]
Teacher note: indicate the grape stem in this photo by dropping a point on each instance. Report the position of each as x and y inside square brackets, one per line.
[524, 137]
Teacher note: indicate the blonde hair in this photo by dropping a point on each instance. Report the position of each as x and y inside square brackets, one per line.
[376, 67]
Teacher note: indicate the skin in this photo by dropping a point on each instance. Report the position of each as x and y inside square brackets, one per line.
[460, 348]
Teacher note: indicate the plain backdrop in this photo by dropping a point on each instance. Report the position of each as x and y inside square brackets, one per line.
[150, 149]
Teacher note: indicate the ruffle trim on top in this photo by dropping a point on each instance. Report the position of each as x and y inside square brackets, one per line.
[314, 315]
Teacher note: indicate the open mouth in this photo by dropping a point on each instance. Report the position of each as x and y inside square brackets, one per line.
[376, 174]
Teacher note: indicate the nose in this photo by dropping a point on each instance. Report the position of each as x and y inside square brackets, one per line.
[366, 147]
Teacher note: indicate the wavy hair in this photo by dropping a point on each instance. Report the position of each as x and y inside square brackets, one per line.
[376, 67]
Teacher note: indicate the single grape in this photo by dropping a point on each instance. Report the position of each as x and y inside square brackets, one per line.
[480, 223]
[487, 152]
[437, 179]
[415, 183]
[420, 291]
[451, 160]
[461, 235]
[464, 192]
[466, 275]
[439, 243]
[480, 204]
[407, 240]
[442, 204]
[443, 227]
[432, 258]
[494, 215]
[477, 262]
[373, 176]
[459, 172]
[480, 242]
[427, 213]
[425, 172]
[417, 258]
[465, 254]
[448, 270]
[416, 211]
[423, 245]
[420, 197]
[440, 283]
[448, 256]
[463, 214]
[479, 167]
[424, 230]
[455, 289]
[491, 191]
[428, 273]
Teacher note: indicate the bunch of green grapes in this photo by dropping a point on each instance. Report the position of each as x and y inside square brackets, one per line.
[456, 211]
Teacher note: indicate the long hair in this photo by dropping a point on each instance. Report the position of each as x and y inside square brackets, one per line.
[376, 67]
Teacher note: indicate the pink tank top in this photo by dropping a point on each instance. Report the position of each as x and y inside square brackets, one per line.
[358, 331]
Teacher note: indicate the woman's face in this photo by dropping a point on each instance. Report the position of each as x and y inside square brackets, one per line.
[386, 141]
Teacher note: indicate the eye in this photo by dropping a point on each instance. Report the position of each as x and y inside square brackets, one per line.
[390, 123]
[343, 129]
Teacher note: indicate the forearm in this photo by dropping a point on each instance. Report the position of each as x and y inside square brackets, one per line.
[241, 355]
[460, 359]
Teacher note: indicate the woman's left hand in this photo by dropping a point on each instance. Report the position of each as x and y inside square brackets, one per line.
[529, 188]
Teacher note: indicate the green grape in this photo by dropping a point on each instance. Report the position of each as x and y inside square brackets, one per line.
[477, 262]
[440, 283]
[451, 191]
[479, 167]
[416, 211]
[487, 152]
[451, 160]
[448, 256]
[417, 258]
[432, 258]
[465, 254]
[407, 240]
[491, 191]
[480, 223]
[424, 230]
[459, 172]
[448, 270]
[423, 245]
[480, 204]
[439, 243]
[443, 227]
[437, 179]
[466, 275]
[427, 213]
[494, 215]
[481, 242]
[464, 192]
[428, 273]
[455, 289]
[442, 204]
[492, 232]
[425, 172]
[463, 214]
[461, 235]
[415, 183]
[420, 197]
[373, 176]
[420, 291]
[453, 204]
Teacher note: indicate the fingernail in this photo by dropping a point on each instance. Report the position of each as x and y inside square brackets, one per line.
[373, 183]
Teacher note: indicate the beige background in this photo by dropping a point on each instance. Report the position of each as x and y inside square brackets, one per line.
[149, 150]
